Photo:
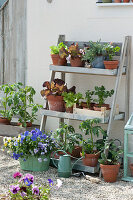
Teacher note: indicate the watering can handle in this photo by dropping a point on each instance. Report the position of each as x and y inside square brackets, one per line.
[53, 159]
[76, 161]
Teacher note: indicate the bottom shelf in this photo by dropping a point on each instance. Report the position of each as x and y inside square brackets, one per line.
[78, 166]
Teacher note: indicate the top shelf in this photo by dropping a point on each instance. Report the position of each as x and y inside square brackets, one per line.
[113, 4]
[84, 70]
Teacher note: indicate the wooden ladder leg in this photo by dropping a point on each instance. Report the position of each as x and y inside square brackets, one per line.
[61, 120]
[44, 117]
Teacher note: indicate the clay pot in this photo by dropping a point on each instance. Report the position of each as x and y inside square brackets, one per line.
[131, 168]
[113, 64]
[76, 152]
[76, 62]
[4, 121]
[117, 1]
[57, 60]
[110, 172]
[97, 108]
[126, 1]
[91, 159]
[56, 103]
[69, 110]
[28, 124]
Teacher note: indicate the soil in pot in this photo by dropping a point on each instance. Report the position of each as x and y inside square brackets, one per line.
[91, 159]
[113, 64]
[57, 60]
[4, 121]
[76, 62]
[110, 172]
[97, 108]
[56, 103]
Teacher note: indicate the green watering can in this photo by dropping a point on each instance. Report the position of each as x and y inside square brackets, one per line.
[64, 165]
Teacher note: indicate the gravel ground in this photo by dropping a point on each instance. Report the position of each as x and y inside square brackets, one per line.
[72, 189]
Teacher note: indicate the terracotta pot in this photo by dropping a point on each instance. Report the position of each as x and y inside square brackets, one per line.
[91, 159]
[28, 124]
[56, 103]
[126, 1]
[117, 1]
[4, 121]
[76, 152]
[131, 168]
[110, 172]
[113, 64]
[76, 62]
[97, 108]
[69, 110]
[57, 60]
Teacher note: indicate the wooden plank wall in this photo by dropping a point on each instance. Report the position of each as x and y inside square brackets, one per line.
[13, 48]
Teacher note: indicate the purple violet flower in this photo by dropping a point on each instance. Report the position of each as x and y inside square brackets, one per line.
[35, 151]
[30, 177]
[14, 188]
[34, 137]
[17, 175]
[27, 182]
[26, 133]
[50, 182]
[35, 190]
[23, 194]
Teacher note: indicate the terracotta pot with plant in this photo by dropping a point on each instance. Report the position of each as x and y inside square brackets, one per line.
[89, 152]
[109, 163]
[126, 1]
[94, 54]
[59, 54]
[68, 140]
[75, 55]
[109, 52]
[70, 99]
[102, 95]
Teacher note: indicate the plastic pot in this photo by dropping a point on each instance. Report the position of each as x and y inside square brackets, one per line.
[98, 63]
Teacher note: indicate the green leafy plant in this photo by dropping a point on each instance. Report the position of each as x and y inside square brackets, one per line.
[110, 51]
[60, 49]
[114, 153]
[95, 49]
[24, 105]
[102, 94]
[7, 99]
[90, 127]
[66, 137]
[71, 98]
[88, 97]
[74, 51]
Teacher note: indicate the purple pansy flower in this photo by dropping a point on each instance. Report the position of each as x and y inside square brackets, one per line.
[30, 177]
[16, 156]
[35, 151]
[23, 194]
[34, 137]
[50, 182]
[26, 133]
[14, 188]
[35, 190]
[27, 182]
[15, 143]
[17, 175]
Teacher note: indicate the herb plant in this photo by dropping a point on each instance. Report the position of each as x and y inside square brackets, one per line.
[102, 94]
[71, 98]
[110, 51]
[90, 127]
[60, 49]
[88, 97]
[66, 137]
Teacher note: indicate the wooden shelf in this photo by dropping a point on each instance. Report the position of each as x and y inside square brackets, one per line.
[72, 116]
[84, 70]
[113, 4]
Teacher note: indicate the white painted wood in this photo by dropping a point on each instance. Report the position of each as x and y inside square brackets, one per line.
[113, 4]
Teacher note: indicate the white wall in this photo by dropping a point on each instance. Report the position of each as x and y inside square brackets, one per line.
[78, 20]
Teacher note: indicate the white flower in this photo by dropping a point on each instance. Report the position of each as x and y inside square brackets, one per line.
[45, 159]
[39, 159]
[59, 183]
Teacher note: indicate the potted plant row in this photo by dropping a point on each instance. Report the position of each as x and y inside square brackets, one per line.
[16, 101]
[99, 55]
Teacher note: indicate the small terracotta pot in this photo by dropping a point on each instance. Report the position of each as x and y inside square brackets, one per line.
[76, 62]
[56, 103]
[91, 159]
[57, 60]
[126, 1]
[69, 110]
[28, 124]
[113, 64]
[131, 168]
[4, 121]
[110, 172]
[76, 152]
[117, 1]
[97, 108]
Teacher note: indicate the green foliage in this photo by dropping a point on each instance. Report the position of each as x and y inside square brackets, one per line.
[7, 101]
[23, 104]
[88, 97]
[114, 153]
[102, 94]
[66, 137]
[110, 51]
[95, 49]
[90, 127]
[60, 49]
[71, 98]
